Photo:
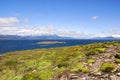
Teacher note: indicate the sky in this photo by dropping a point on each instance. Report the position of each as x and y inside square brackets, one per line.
[67, 18]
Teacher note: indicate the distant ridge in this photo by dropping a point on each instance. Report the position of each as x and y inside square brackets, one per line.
[107, 38]
[42, 37]
[50, 37]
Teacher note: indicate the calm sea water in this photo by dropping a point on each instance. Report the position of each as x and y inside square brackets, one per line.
[17, 45]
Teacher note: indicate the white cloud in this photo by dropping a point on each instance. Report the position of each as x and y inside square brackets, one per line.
[74, 34]
[37, 31]
[95, 17]
[100, 34]
[26, 20]
[114, 32]
[111, 32]
[25, 31]
[8, 21]
[51, 30]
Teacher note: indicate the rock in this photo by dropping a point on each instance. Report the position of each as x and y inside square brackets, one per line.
[107, 60]
[113, 77]
[74, 77]
[97, 73]
[90, 64]
[84, 63]
[105, 75]
[118, 74]
[64, 77]
[84, 78]
[34, 70]
[107, 55]
[102, 79]
[55, 68]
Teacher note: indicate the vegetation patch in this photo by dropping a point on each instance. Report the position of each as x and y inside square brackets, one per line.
[63, 64]
[94, 51]
[46, 75]
[84, 70]
[43, 64]
[31, 76]
[77, 67]
[90, 61]
[107, 67]
[117, 61]
[10, 63]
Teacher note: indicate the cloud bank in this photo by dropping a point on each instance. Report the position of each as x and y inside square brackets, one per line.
[8, 21]
[7, 27]
[50, 30]
[38, 31]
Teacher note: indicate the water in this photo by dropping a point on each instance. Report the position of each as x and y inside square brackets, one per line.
[17, 45]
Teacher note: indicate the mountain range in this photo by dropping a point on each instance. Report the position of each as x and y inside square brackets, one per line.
[107, 38]
[42, 37]
[49, 37]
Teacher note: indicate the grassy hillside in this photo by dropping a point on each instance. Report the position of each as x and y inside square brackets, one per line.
[54, 63]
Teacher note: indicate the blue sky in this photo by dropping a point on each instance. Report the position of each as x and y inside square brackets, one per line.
[73, 18]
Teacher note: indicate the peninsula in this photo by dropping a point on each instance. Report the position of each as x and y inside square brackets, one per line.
[50, 42]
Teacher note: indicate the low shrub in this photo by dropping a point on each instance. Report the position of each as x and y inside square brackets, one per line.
[46, 75]
[10, 62]
[107, 67]
[101, 50]
[43, 64]
[77, 67]
[84, 70]
[31, 76]
[117, 60]
[63, 64]
[30, 64]
[94, 51]
[91, 61]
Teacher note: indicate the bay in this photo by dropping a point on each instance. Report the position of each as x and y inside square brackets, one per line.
[17, 45]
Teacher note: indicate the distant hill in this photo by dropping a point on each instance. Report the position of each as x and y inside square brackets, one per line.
[42, 37]
[106, 38]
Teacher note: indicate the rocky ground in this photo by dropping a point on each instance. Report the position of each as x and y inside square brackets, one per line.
[95, 73]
